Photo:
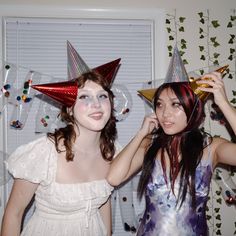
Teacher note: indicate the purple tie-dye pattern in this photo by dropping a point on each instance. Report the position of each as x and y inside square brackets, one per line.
[162, 217]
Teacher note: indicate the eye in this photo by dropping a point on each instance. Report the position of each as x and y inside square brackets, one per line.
[103, 96]
[158, 105]
[83, 96]
[176, 104]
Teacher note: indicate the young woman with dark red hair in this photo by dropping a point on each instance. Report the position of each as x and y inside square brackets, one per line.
[177, 159]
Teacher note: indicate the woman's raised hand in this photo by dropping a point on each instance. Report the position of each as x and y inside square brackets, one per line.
[149, 123]
[216, 87]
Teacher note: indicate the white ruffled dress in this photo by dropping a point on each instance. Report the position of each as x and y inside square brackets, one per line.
[61, 209]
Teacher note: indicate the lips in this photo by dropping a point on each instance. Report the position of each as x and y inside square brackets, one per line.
[167, 124]
[96, 115]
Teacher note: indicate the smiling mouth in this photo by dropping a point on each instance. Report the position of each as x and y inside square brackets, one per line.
[96, 116]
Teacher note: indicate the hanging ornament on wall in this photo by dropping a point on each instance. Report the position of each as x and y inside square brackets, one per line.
[122, 102]
[47, 119]
[226, 184]
[9, 73]
[22, 100]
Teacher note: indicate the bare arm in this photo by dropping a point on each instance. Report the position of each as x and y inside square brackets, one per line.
[21, 194]
[130, 159]
[224, 150]
[105, 211]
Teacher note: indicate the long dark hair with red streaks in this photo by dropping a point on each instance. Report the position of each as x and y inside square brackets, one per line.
[184, 149]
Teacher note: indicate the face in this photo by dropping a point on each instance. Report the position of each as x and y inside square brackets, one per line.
[92, 109]
[170, 113]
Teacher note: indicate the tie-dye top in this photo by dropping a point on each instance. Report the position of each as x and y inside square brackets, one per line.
[163, 218]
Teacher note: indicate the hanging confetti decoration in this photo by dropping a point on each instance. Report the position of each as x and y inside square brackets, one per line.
[122, 102]
[9, 73]
[22, 100]
[226, 184]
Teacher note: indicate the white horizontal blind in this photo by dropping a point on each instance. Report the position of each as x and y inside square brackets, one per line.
[40, 45]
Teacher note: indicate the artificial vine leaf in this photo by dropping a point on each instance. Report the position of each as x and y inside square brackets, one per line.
[230, 57]
[218, 232]
[203, 58]
[215, 23]
[201, 72]
[181, 29]
[231, 41]
[208, 217]
[217, 210]
[216, 44]
[183, 46]
[233, 101]
[181, 53]
[216, 62]
[234, 92]
[200, 14]
[168, 29]
[230, 76]
[201, 48]
[232, 50]
[213, 39]
[185, 62]
[218, 217]
[232, 18]
[232, 36]
[167, 21]
[183, 41]
[170, 48]
[202, 21]
[181, 19]
[218, 225]
[171, 37]
[170, 54]
[201, 36]
[230, 25]
[218, 192]
[219, 200]
[200, 30]
[216, 55]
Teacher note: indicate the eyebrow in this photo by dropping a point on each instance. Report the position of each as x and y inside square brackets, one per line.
[172, 99]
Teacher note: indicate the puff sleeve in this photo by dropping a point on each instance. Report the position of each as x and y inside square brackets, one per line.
[35, 161]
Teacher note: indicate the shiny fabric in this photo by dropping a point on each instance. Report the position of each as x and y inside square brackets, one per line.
[163, 218]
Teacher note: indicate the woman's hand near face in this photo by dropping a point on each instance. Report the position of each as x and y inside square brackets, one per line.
[149, 123]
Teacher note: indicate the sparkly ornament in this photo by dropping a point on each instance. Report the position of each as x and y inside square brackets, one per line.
[202, 94]
[122, 102]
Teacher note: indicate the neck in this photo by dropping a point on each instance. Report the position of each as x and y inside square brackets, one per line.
[87, 140]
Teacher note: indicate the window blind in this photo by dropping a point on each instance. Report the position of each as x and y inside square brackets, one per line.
[40, 45]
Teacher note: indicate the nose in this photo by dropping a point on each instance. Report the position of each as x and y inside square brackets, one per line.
[95, 102]
[166, 111]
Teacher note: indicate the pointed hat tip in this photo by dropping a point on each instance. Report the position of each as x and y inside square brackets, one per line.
[202, 94]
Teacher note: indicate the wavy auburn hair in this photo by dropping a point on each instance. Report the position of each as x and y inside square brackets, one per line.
[68, 135]
[187, 144]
